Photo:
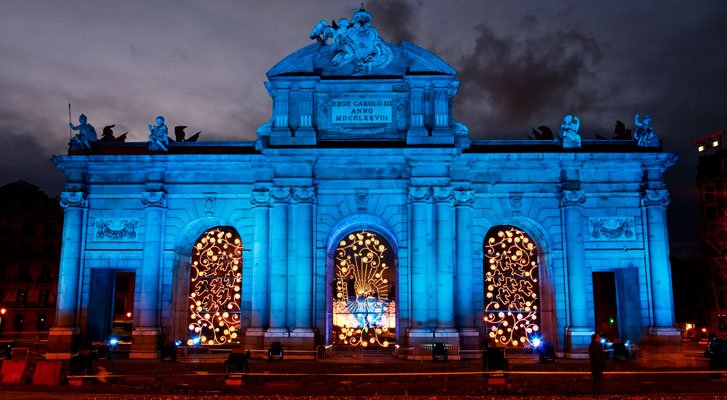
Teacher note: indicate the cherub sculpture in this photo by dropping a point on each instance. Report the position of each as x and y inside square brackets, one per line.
[86, 133]
[644, 132]
[568, 133]
[158, 135]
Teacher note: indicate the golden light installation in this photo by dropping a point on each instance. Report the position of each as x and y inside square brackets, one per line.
[214, 288]
[364, 310]
[511, 287]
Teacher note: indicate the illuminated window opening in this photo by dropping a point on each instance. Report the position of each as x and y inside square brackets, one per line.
[715, 143]
[701, 148]
[214, 288]
[512, 299]
[364, 306]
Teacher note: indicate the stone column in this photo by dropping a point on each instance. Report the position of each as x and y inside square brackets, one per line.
[578, 331]
[259, 311]
[145, 336]
[417, 111]
[445, 265]
[279, 263]
[301, 228]
[464, 304]
[419, 197]
[63, 337]
[655, 202]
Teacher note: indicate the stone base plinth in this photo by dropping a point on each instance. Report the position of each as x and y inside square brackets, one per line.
[254, 339]
[417, 336]
[577, 341]
[446, 335]
[62, 342]
[663, 341]
[469, 343]
[144, 343]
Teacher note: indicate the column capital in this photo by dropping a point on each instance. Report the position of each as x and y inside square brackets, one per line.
[655, 197]
[157, 198]
[73, 199]
[572, 197]
[464, 197]
[419, 193]
[280, 194]
[304, 194]
[260, 197]
[442, 193]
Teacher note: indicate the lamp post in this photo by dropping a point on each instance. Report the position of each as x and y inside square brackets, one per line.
[2, 314]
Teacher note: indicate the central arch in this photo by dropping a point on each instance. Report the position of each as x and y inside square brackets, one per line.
[368, 305]
[363, 302]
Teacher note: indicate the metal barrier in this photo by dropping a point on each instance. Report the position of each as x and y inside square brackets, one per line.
[520, 351]
[424, 351]
[336, 351]
[187, 351]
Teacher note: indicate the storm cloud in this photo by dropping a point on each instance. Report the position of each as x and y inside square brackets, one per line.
[522, 64]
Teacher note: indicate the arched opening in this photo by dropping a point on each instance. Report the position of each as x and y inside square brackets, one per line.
[214, 288]
[512, 292]
[363, 294]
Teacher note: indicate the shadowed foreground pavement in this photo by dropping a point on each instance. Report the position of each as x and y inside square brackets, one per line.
[679, 378]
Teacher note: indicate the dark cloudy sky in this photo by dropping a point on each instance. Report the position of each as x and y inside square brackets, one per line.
[202, 63]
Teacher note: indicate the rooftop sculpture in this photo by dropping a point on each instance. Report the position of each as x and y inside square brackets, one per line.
[357, 42]
[568, 133]
[86, 133]
[644, 132]
[158, 139]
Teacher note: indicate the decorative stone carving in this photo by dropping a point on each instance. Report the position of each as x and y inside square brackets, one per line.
[516, 202]
[573, 198]
[611, 228]
[362, 200]
[656, 197]
[154, 199]
[644, 133]
[73, 199]
[419, 193]
[568, 133]
[464, 197]
[357, 42]
[304, 194]
[260, 197]
[442, 193]
[116, 229]
[210, 199]
[280, 194]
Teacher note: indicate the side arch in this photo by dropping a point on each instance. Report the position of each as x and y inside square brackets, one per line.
[543, 240]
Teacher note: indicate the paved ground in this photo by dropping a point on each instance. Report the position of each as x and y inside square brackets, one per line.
[677, 378]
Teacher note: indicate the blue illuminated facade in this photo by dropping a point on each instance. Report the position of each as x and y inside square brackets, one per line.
[362, 139]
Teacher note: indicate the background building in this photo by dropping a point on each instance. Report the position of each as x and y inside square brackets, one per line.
[712, 184]
[30, 243]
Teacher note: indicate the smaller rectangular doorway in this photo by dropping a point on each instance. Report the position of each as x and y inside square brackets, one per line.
[122, 322]
[605, 304]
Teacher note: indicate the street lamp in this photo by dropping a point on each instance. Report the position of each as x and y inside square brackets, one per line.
[2, 313]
